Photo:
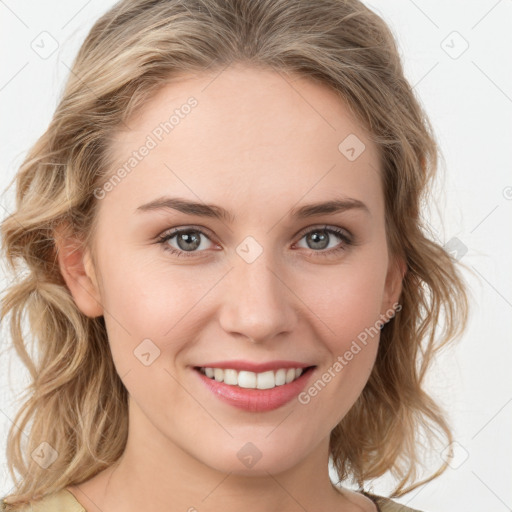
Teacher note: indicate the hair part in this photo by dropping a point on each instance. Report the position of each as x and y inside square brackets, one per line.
[76, 402]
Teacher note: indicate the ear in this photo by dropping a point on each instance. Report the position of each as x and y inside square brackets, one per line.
[393, 285]
[77, 269]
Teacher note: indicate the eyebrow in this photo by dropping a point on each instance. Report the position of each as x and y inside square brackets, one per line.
[218, 212]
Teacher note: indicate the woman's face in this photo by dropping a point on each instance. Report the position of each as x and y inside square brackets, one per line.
[260, 284]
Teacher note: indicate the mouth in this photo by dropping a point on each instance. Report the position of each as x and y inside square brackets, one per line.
[253, 380]
[254, 391]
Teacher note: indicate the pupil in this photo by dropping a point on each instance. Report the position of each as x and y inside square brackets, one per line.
[190, 239]
[319, 240]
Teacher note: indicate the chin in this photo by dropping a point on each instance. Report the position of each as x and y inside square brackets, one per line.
[252, 458]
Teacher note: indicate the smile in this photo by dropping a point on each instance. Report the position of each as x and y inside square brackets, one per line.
[254, 391]
[252, 380]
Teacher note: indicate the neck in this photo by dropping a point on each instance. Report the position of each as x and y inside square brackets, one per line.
[154, 473]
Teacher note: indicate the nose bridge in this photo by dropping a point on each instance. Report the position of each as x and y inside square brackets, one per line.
[257, 303]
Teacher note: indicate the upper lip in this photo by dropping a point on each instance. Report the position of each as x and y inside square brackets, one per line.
[239, 365]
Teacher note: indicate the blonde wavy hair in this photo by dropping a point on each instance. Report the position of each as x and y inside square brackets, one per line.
[76, 401]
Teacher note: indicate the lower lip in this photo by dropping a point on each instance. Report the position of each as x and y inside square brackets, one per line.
[256, 400]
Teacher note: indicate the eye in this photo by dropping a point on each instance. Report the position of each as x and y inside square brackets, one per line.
[187, 241]
[320, 238]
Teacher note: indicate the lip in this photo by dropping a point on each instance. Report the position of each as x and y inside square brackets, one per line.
[239, 365]
[256, 400]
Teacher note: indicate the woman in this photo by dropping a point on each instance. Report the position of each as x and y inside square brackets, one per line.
[228, 276]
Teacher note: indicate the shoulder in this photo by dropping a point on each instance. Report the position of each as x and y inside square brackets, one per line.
[64, 501]
[388, 505]
[361, 500]
[61, 501]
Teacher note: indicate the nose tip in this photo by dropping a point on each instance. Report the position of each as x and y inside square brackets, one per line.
[257, 305]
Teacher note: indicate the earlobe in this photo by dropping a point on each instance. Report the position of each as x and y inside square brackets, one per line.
[394, 279]
[77, 270]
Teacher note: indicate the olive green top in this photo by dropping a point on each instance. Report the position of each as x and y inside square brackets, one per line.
[65, 501]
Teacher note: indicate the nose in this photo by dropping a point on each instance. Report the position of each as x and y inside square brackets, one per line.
[257, 301]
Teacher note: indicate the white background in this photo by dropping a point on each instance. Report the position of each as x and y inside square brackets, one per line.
[468, 96]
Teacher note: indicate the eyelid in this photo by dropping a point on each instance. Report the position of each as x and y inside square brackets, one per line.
[307, 229]
[187, 227]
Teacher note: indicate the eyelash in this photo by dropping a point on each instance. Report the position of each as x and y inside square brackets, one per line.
[342, 234]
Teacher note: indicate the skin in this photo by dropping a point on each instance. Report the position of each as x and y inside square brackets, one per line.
[258, 143]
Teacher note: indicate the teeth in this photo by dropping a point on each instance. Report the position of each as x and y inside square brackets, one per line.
[251, 380]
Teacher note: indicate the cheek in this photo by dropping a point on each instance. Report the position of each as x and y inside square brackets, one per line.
[152, 296]
[345, 311]
[152, 302]
[347, 300]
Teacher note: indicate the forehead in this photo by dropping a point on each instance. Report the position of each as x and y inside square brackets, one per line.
[245, 133]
